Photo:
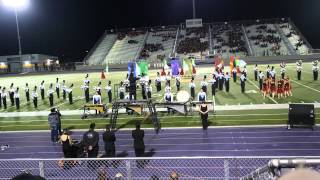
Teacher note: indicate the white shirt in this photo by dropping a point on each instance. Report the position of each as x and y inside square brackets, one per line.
[143, 80]
[299, 68]
[202, 95]
[64, 87]
[283, 70]
[245, 70]
[57, 85]
[86, 81]
[126, 82]
[26, 89]
[4, 94]
[16, 95]
[234, 70]
[169, 96]
[158, 79]
[69, 90]
[167, 89]
[192, 85]
[256, 69]
[227, 77]
[108, 88]
[242, 77]
[148, 88]
[261, 75]
[34, 94]
[272, 73]
[122, 89]
[96, 99]
[315, 68]
[213, 81]
[50, 91]
[41, 86]
[204, 83]
[11, 90]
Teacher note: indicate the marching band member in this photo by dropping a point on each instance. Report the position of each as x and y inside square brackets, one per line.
[178, 82]
[283, 70]
[132, 87]
[243, 82]
[27, 92]
[4, 97]
[98, 88]
[202, 96]
[220, 80]
[227, 81]
[11, 94]
[35, 97]
[234, 74]
[256, 70]
[167, 88]
[121, 90]
[143, 82]
[50, 94]
[261, 76]
[96, 99]
[273, 88]
[245, 71]
[126, 83]
[315, 70]
[265, 88]
[58, 88]
[168, 78]
[299, 69]
[41, 87]
[268, 71]
[192, 87]
[204, 84]
[86, 81]
[85, 88]
[149, 90]
[69, 91]
[168, 97]
[273, 73]
[64, 90]
[158, 82]
[287, 87]
[109, 91]
[17, 98]
[280, 89]
[213, 82]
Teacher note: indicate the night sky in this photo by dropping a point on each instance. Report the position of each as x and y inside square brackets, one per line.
[68, 28]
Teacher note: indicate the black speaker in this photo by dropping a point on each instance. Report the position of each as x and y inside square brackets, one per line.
[301, 115]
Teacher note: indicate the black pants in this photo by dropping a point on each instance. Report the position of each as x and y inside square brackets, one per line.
[204, 88]
[268, 74]
[70, 98]
[42, 94]
[149, 94]
[178, 87]
[110, 96]
[28, 96]
[140, 153]
[243, 86]
[213, 89]
[58, 92]
[192, 92]
[17, 103]
[11, 95]
[204, 121]
[143, 91]
[315, 75]
[132, 92]
[86, 94]
[282, 75]
[158, 87]
[234, 77]
[110, 152]
[260, 84]
[51, 100]
[227, 84]
[4, 101]
[256, 75]
[35, 102]
[94, 152]
[0, 101]
[64, 94]
[221, 84]
[299, 75]
[121, 95]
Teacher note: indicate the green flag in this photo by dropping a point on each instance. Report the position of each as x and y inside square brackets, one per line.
[143, 66]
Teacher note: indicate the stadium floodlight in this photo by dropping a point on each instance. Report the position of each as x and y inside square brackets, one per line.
[16, 4]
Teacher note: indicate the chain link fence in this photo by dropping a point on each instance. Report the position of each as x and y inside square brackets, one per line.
[201, 168]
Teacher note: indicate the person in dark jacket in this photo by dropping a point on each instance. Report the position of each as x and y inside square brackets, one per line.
[53, 121]
[138, 142]
[109, 138]
[91, 141]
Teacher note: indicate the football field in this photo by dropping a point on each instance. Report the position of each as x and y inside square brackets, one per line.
[304, 91]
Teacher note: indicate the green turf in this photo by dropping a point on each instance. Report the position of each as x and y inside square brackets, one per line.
[306, 90]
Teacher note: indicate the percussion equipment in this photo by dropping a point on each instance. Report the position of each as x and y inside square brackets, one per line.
[101, 109]
[183, 96]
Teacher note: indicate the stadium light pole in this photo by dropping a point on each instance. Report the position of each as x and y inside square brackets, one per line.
[16, 5]
[194, 8]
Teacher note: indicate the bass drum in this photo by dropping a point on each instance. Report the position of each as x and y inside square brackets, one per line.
[183, 96]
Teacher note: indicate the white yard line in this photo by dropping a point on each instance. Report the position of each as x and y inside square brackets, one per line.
[305, 86]
[259, 90]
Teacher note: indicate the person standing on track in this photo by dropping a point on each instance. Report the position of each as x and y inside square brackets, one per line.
[35, 97]
[53, 123]
[109, 139]
[91, 141]
[204, 111]
[138, 143]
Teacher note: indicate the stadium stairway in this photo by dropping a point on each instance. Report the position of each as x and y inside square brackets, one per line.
[100, 50]
[250, 49]
[285, 40]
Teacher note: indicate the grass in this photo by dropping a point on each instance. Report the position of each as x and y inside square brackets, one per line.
[306, 90]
